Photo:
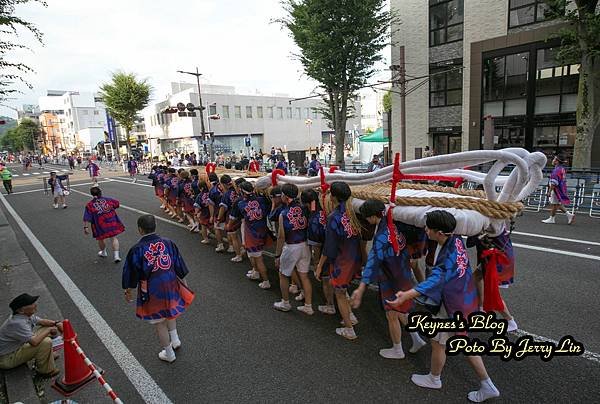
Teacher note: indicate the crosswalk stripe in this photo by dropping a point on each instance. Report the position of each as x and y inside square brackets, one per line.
[46, 172]
[15, 175]
[35, 173]
[26, 174]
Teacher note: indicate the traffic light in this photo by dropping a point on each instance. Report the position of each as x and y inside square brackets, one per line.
[248, 141]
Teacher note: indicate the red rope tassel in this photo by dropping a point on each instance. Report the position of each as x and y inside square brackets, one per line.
[274, 174]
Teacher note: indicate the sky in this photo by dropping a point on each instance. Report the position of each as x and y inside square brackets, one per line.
[232, 42]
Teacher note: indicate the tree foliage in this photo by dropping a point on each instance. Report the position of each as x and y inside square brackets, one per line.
[22, 137]
[124, 97]
[580, 43]
[387, 102]
[340, 41]
[12, 72]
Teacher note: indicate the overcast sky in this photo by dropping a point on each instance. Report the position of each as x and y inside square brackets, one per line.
[233, 42]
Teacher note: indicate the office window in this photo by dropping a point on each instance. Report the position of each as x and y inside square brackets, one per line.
[523, 12]
[225, 111]
[85, 112]
[259, 112]
[555, 85]
[270, 112]
[248, 112]
[315, 113]
[237, 111]
[306, 113]
[505, 85]
[288, 112]
[96, 112]
[445, 21]
[279, 112]
[297, 115]
[212, 109]
[445, 87]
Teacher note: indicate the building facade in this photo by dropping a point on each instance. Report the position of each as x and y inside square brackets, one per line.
[484, 63]
[270, 121]
[81, 118]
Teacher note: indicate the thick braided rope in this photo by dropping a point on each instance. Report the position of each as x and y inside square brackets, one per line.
[385, 188]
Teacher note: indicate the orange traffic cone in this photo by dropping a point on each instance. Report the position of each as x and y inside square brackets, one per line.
[77, 374]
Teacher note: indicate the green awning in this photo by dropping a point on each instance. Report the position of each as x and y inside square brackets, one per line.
[375, 137]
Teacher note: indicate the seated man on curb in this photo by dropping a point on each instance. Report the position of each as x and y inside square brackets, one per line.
[18, 341]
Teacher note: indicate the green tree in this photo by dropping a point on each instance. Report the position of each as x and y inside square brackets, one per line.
[23, 137]
[124, 97]
[10, 71]
[340, 41]
[387, 102]
[580, 43]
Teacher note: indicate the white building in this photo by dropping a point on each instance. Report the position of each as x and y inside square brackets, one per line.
[484, 60]
[28, 111]
[269, 120]
[82, 117]
[371, 102]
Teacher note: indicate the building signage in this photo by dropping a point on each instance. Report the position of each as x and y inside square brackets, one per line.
[112, 133]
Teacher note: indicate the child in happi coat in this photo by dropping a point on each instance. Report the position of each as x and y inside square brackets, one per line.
[505, 267]
[392, 271]
[201, 204]
[342, 252]
[185, 196]
[158, 182]
[232, 222]
[292, 252]
[100, 214]
[257, 236]
[170, 187]
[214, 201]
[94, 171]
[451, 285]
[156, 269]
[317, 225]
[132, 168]
[557, 191]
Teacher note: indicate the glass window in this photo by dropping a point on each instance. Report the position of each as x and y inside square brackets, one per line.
[279, 112]
[237, 111]
[516, 75]
[493, 108]
[270, 112]
[212, 109]
[445, 87]
[96, 112]
[523, 12]
[259, 112]
[315, 113]
[493, 79]
[568, 103]
[556, 85]
[248, 112]
[297, 113]
[85, 112]
[515, 107]
[511, 137]
[288, 112]
[225, 111]
[547, 105]
[545, 136]
[566, 135]
[306, 112]
[445, 21]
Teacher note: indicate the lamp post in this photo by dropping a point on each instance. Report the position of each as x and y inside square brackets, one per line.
[197, 74]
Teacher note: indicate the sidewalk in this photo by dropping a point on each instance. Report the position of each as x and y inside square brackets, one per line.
[17, 276]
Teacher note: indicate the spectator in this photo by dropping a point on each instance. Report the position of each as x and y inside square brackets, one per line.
[6, 179]
[427, 152]
[375, 164]
[20, 344]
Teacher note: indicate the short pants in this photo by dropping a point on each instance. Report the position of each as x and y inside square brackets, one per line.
[294, 256]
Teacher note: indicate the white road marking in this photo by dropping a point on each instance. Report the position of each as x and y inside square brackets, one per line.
[46, 172]
[26, 174]
[15, 175]
[135, 372]
[129, 182]
[591, 356]
[570, 240]
[554, 251]
[42, 189]
[36, 173]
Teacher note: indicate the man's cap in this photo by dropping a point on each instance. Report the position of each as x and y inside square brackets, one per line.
[22, 301]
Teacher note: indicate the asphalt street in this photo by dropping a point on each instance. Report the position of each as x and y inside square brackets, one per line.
[237, 348]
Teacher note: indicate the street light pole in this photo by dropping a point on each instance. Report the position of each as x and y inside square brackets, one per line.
[197, 74]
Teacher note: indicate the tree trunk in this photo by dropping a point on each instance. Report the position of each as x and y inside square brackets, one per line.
[588, 112]
[340, 130]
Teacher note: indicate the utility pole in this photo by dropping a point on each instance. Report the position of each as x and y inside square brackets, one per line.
[402, 72]
[203, 131]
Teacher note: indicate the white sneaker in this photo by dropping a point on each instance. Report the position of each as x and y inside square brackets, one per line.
[550, 220]
[220, 248]
[176, 344]
[391, 353]
[570, 219]
[300, 297]
[134, 180]
[102, 253]
[326, 309]
[347, 333]
[417, 345]
[230, 249]
[426, 381]
[64, 206]
[353, 319]
[265, 285]
[293, 289]
[55, 206]
[306, 309]
[162, 206]
[206, 241]
[237, 258]
[282, 305]
[485, 392]
[167, 355]
[253, 275]
[512, 326]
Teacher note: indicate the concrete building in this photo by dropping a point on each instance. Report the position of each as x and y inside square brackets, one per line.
[371, 102]
[269, 120]
[81, 117]
[28, 111]
[484, 59]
